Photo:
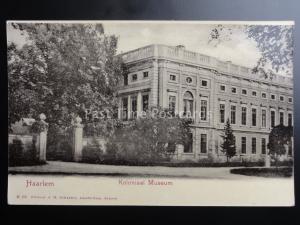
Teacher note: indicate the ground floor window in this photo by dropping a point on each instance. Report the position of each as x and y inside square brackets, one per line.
[125, 108]
[171, 147]
[290, 119]
[290, 149]
[244, 145]
[272, 118]
[281, 118]
[253, 145]
[145, 103]
[134, 106]
[203, 143]
[188, 145]
[263, 146]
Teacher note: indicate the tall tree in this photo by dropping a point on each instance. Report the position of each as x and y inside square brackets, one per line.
[279, 137]
[62, 70]
[228, 145]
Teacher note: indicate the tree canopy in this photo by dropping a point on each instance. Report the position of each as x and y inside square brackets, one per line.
[275, 43]
[61, 70]
[279, 137]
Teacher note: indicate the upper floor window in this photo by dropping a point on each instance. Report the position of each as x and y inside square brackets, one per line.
[254, 93]
[233, 113]
[273, 97]
[244, 91]
[188, 102]
[263, 95]
[222, 113]
[281, 98]
[290, 99]
[253, 116]
[189, 80]
[222, 87]
[173, 77]
[146, 74]
[264, 118]
[233, 90]
[204, 83]
[134, 77]
[244, 115]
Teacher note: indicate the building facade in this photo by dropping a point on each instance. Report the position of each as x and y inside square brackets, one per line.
[211, 91]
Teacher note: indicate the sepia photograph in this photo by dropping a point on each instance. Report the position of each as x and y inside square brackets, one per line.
[178, 113]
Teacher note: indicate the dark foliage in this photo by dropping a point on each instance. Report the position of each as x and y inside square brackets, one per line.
[62, 70]
[228, 145]
[145, 140]
[264, 172]
[19, 157]
[279, 138]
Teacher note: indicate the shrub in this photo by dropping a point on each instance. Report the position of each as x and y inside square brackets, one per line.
[16, 150]
[264, 172]
[19, 157]
[145, 140]
[92, 154]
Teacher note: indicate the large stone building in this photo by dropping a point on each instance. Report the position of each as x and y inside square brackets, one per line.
[212, 91]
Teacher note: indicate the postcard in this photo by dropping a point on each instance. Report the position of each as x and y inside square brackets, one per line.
[150, 113]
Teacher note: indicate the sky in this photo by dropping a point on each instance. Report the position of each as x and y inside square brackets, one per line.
[194, 36]
[239, 50]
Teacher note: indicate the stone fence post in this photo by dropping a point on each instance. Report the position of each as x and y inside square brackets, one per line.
[41, 138]
[77, 139]
[179, 149]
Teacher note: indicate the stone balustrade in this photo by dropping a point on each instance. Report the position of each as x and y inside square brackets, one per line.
[181, 54]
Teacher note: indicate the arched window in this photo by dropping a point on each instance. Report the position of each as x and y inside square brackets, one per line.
[188, 103]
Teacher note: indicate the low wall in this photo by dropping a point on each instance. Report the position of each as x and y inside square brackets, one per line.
[94, 142]
[93, 149]
[25, 139]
